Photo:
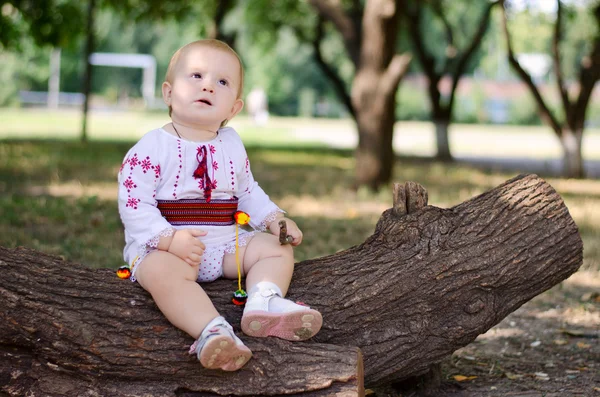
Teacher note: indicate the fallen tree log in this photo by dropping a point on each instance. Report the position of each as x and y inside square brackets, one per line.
[427, 282]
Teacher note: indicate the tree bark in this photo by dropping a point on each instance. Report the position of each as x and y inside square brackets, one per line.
[442, 139]
[87, 77]
[427, 282]
[571, 142]
[371, 45]
[378, 74]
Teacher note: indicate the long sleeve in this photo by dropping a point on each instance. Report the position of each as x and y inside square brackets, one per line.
[139, 177]
[252, 198]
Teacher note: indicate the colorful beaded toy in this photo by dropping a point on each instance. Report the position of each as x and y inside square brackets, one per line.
[240, 296]
[124, 272]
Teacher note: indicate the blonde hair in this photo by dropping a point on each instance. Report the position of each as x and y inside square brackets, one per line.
[211, 43]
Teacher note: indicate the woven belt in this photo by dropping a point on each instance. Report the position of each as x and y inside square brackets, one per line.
[199, 212]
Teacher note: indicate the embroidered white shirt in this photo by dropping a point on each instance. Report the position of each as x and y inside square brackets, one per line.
[160, 166]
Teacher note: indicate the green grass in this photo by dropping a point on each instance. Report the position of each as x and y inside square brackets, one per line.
[59, 196]
[116, 126]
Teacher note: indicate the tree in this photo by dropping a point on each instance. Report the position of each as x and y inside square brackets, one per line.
[428, 281]
[569, 130]
[368, 32]
[453, 62]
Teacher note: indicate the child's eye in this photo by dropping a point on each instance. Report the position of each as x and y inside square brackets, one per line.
[196, 75]
[223, 82]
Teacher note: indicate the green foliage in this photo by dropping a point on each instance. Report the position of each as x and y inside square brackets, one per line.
[53, 22]
[580, 30]
[275, 43]
[463, 18]
[412, 104]
[273, 39]
[523, 111]
[8, 92]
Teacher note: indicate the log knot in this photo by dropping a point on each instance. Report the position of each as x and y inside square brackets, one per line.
[475, 307]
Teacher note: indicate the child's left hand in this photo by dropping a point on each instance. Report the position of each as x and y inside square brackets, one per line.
[292, 230]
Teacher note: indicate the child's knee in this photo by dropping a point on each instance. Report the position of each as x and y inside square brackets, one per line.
[159, 267]
[273, 248]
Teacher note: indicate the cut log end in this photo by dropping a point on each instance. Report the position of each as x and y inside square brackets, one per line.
[408, 198]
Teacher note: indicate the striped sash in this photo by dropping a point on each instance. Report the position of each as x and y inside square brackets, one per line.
[199, 212]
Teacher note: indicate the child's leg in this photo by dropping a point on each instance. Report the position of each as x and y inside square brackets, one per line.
[263, 259]
[268, 266]
[172, 284]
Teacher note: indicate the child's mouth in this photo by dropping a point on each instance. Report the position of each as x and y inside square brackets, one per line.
[205, 101]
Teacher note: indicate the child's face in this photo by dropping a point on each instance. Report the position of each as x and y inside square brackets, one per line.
[204, 87]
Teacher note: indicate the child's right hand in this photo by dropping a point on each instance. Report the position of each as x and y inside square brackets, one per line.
[186, 246]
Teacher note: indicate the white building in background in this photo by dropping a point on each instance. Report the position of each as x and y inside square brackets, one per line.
[53, 98]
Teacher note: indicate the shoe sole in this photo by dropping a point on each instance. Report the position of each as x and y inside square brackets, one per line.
[294, 326]
[222, 352]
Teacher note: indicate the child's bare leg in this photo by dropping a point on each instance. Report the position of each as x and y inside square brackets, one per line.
[263, 259]
[268, 266]
[172, 283]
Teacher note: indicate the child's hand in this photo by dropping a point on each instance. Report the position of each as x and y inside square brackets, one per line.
[292, 230]
[186, 246]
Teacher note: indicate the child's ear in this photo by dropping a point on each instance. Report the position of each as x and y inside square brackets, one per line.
[166, 92]
[236, 108]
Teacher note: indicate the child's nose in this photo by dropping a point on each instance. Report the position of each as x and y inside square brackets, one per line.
[207, 86]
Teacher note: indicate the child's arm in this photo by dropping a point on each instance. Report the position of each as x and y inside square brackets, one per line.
[139, 178]
[185, 245]
[264, 213]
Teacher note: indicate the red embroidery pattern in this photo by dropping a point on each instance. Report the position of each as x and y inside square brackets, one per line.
[206, 182]
[132, 202]
[178, 170]
[123, 165]
[130, 184]
[146, 164]
[247, 173]
[232, 175]
[133, 161]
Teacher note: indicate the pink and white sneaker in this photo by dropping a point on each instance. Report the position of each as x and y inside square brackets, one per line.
[219, 348]
[292, 322]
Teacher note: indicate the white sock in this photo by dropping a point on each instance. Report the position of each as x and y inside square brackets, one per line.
[264, 285]
[277, 304]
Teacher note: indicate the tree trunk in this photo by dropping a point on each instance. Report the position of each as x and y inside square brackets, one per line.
[427, 282]
[375, 151]
[87, 77]
[573, 160]
[376, 81]
[442, 139]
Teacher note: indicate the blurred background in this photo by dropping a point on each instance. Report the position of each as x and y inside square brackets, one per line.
[343, 98]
